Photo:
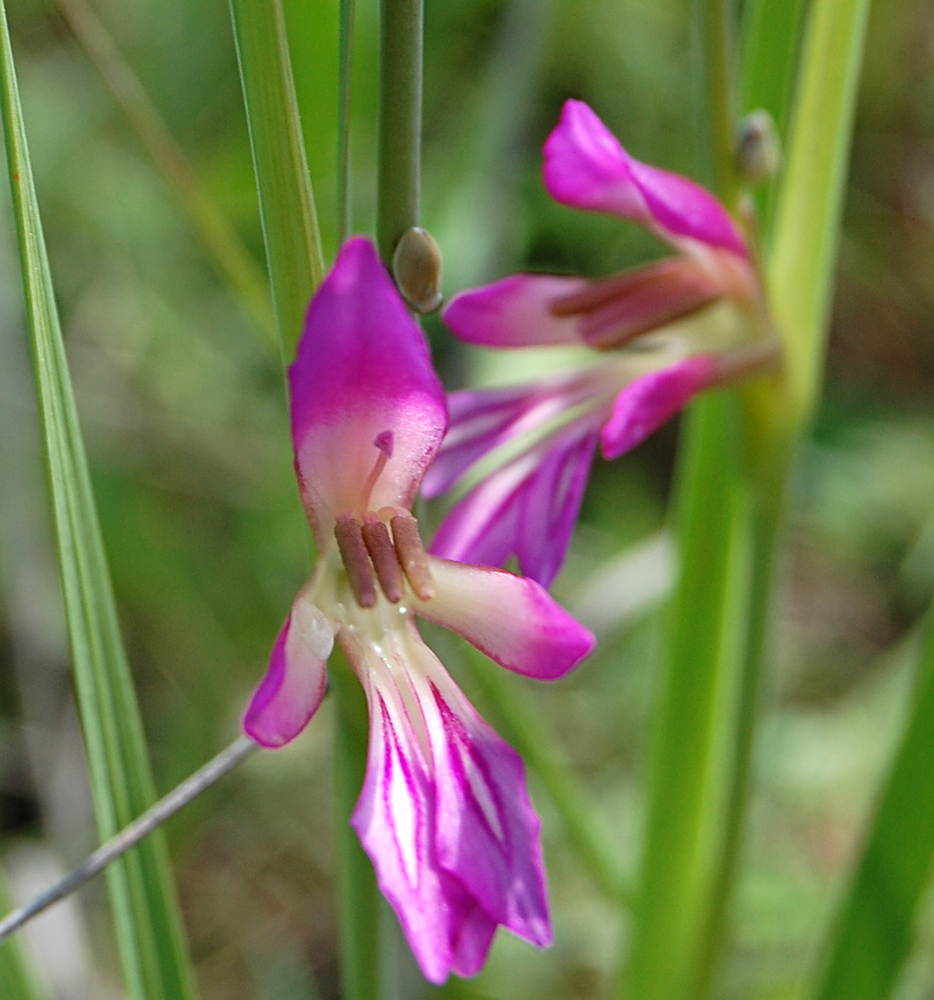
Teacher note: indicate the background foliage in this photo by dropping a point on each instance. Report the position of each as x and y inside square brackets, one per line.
[181, 397]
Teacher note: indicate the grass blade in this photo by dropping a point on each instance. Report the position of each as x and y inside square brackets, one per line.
[149, 932]
[874, 930]
[286, 202]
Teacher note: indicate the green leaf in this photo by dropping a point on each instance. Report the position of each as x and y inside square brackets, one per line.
[810, 195]
[876, 923]
[148, 927]
[286, 202]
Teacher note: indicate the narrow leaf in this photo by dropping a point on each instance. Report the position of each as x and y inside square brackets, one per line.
[876, 924]
[149, 932]
[286, 202]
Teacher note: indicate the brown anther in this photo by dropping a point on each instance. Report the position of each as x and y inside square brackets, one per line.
[356, 560]
[385, 561]
[617, 310]
[411, 554]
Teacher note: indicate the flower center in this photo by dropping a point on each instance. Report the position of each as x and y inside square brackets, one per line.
[383, 547]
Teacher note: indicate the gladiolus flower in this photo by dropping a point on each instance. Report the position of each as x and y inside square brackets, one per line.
[444, 813]
[665, 332]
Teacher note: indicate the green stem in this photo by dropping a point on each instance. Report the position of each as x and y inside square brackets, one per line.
[766, 522]
[717, 29]
[344, 202]
[400, 121]
[692, 748]
[360, 903]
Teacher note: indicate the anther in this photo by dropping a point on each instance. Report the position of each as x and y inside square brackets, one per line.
[356, 560]
[411, 553]
[416, 266]
[385, 561]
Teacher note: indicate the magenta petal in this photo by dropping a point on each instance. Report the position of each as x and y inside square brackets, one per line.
[481, 420]
[550, 503]
[515, 312]
[394, 818]
[294, 684]
[528, 506]
[510, 618]
[487, 830]
[483, 525]
[586, 167]
[646, 403]
[365, 398]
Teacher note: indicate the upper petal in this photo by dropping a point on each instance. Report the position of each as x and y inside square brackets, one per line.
[527, 507]
[648, 401]
[515, 312]
[294, 683]
[368, 410]
[510, 618]
[586, 167]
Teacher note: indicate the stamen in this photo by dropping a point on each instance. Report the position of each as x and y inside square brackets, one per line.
[385, 561]
[383, 443]
[356, 560]
[411, 553]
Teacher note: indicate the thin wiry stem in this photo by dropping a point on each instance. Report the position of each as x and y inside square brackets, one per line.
[131, 835]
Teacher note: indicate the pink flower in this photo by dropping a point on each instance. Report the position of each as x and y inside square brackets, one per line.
[664, 324]
[444, 813]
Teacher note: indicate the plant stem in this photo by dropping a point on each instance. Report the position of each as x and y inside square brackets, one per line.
[400, 121]
[716, 20]
[345, 71]
[359, 898]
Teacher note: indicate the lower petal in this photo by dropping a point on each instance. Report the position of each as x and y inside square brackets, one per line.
[487, 831]
[294, 684]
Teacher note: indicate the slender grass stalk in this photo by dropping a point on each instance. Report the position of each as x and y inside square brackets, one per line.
[400, 121]
[149, 934]
[286, 202]
[226, 251]
[131, 835]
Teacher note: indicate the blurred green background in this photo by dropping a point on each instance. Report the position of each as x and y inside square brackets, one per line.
[182, 402]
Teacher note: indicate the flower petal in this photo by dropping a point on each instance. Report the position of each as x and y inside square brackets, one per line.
[510, 618]
[483, 419]
[515, 312]
[549, 506]
[483, 525]
[368, 410]
[586, 167]
[396, 816]
[650, 400]
[294, 684]
[487, 831]
[527, 507]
